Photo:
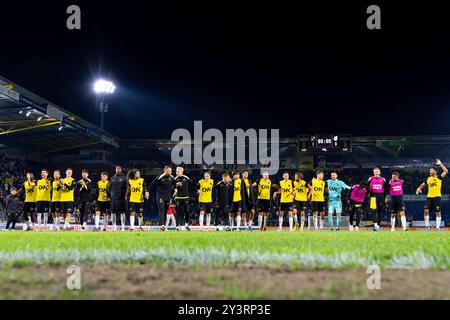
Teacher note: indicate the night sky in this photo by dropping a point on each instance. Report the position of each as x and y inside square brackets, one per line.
[308, 69]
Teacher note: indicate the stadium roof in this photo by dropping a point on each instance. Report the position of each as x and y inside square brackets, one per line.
[34, 125]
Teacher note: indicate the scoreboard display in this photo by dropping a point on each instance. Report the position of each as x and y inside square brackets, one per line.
[325, 143]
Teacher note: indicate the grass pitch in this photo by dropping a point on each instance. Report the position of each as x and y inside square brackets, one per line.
[236, 265]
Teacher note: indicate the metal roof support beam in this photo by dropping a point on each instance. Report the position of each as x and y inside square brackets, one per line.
[40, 125]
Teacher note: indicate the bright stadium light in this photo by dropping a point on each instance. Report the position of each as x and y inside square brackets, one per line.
[28, 113]
[39, 118]
[103, 86]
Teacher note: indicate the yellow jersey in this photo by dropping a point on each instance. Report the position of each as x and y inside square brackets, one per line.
[30, 192]
[67, 193]
[56, 194]
[318, 190]
[264, 187]
[247, 185]
[136, 190]
[237, 190]
[301, 190]
[434, 186]
[43, 190]
[287, 189]
[103, 187]
[206, 189]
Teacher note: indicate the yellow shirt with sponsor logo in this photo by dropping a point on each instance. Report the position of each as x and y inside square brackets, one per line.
[103, 187]
[318, 190]
[434, 186]
[301, 190]
[264, 187]
[30, 192]
[136, 190]
[56, 194]
[206, 189]
[66, 193]
[237, 190]
[43, 190]
[287, 188]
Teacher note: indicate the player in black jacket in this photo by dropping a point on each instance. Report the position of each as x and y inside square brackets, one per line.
[183, 185]
[164, 190]
[12, 208]
[223, 200]
[118, 188]
[84, 196]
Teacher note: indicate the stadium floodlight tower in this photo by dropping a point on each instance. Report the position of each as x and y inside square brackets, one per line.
[101, 88]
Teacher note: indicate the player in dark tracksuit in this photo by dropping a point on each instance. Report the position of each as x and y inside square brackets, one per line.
[118, 187]
[84, 197]
[12, 208]
[223, 200]
[164, 185]
[183, 186]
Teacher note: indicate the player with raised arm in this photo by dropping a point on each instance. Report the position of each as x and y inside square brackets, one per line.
[205, 199]
[264, 187]
[286, 193]
[335, 188]
[301, 199]
[67, 197]
[43, 192]
[397, 204]
[317, 188]
[84, 195]
[56, 199]
[102, 201]
[377, 187]
[136, 193]
[434, 184]
[29, 205]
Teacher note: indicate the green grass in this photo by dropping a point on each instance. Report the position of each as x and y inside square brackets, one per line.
[268, 249]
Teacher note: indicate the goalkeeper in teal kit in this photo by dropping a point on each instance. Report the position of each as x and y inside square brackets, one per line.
[335, 188]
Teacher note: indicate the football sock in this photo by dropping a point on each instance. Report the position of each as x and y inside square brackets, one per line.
[132, 222]
[438, 222]
[238, 221]
[321, 223]
[291, 222]
[97, 221]
[200, 220]
[140, 220]
[315, 222]
[208, 220]
[403, 219]
[123, 219]
[330, 220]
[296, 219]
[393, 223]
[338, 219]
[260, 220]
[302, 221]
[113, 219]
[427, 221]
[280, 221]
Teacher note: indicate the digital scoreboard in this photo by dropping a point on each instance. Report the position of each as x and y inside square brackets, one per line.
[325, 143]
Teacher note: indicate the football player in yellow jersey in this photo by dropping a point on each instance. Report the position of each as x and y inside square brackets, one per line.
[43, 191]
[286, 193]
[317, 188]
[249, 208]
[264, 188]
[102, 201]
[56, 198]
[205, 198]
[239, 198]
[136, 192]
[68, 185]
[29, 206]
[301, 190]
[434, 184]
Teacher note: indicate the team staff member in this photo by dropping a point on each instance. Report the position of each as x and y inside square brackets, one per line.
[43, 193]
[286, 193]
[84, 196]
[223, 200]
[434, 184]
[205, 198]
[317, 188]
[377, 187]
[164, 190]
[29, 206]
[136, 191]
[357, 196]
[102, 201]
[397, 204]
[118, 188]
[264, 188]
[56, 198]
[239, 199]
[182, 196]
[301, 190]
[67, 196]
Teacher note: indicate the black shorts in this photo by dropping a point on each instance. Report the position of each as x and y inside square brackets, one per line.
[263, 205]
[236, 207]
[29, 207]
[117, 206]
[286, 206]
[42, 206]
[319, 206]
[300, 205]
[433, 204]
[206, 206]
[248, 206]
[56, 206]
[136, 207]
[67, 206]
[397, 204]
[102, 206]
